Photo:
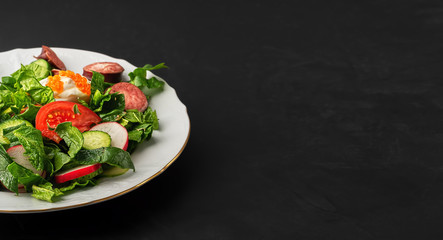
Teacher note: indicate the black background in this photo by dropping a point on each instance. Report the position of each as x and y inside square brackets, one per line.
[309, 119]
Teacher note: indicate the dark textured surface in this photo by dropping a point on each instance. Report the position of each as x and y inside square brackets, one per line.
[310, 119]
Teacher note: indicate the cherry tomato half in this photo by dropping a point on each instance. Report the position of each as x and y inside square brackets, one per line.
[51, 114]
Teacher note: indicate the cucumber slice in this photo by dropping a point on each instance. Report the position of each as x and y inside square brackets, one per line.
[41, 68]
[114, 171]
[43, 63]
[10, 123]
[96, 139]
[89, 176]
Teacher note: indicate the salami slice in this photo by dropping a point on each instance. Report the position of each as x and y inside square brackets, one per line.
[112, 71]
[134, 97]
[51, 57]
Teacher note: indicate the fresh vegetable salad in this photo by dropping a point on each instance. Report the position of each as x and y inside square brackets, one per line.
[61, 130]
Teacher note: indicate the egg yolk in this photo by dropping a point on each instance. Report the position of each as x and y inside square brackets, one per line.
[81, 82]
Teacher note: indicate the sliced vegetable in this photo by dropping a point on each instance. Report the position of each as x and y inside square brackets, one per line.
[17, 153]
[96, 139]
[52, 114]
[18, 156]
[32, 141]
[41, 68]
[77, 172]
[25, 176]
[118, 133]
[114, 171]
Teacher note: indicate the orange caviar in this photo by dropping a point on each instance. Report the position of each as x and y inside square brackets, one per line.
[55, 84]
[81, 82]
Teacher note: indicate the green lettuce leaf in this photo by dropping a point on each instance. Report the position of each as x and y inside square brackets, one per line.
[32, 141]
[7, 179]
[97, 82]
[109, 106]
[59, 158]
[43, 95]
[141, 132]
[140, 125]
[25, 176]
[22, 90]
[74, 184]
[46, 192]
[8, 83]
[150, 116]
[30, 113]
[11, 139]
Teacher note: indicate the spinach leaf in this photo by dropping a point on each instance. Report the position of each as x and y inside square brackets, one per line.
[150, 67]
[109, 155]
[72, 137]
[59, 158]
[138, 77]
[153, 82]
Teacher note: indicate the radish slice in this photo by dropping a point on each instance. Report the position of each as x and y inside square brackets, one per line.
[17, 155]
[118, 133]
[76, 172]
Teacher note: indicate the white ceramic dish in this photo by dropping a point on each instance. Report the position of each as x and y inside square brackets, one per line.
[150, 159]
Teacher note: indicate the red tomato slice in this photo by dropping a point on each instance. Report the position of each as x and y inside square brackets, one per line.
[51, 114]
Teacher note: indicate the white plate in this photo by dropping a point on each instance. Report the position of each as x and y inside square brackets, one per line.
[150, 159]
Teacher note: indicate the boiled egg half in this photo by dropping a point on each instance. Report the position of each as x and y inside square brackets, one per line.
[68, 86]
